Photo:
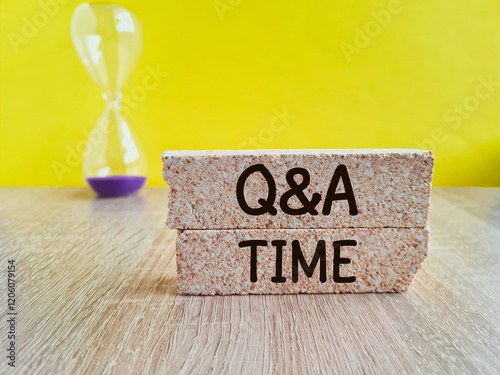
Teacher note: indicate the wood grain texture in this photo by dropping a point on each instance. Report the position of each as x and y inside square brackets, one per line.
[97, 294]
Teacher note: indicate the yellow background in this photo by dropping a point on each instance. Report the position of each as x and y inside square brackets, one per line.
[233, 64]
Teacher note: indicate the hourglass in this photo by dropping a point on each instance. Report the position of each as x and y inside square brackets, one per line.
[108, 40]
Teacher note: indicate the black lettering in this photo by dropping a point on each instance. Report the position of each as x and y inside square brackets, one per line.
[253, 255]
[266, 205]
[297, 257]
[337, 261]
[279, 278]
[298, 190]
[331, 195]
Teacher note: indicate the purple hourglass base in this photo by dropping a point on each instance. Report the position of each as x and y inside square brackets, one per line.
[115, 186]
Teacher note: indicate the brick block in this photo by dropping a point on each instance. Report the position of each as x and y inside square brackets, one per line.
[347, 260]
[298, 188]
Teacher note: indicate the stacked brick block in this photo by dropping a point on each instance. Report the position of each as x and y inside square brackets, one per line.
[298, 221]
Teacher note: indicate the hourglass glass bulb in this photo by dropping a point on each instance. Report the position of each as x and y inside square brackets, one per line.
[108, 40]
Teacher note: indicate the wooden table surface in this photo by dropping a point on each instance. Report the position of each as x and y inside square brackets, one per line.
[96, 293]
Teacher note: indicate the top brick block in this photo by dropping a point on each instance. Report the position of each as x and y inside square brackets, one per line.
[298, 188]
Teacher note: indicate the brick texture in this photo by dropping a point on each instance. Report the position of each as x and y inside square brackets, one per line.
[382, 260]
[391, 188]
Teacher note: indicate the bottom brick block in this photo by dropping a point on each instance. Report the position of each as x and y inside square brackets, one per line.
[288, 261]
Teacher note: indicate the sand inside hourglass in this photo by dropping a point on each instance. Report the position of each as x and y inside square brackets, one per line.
[113, 186]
